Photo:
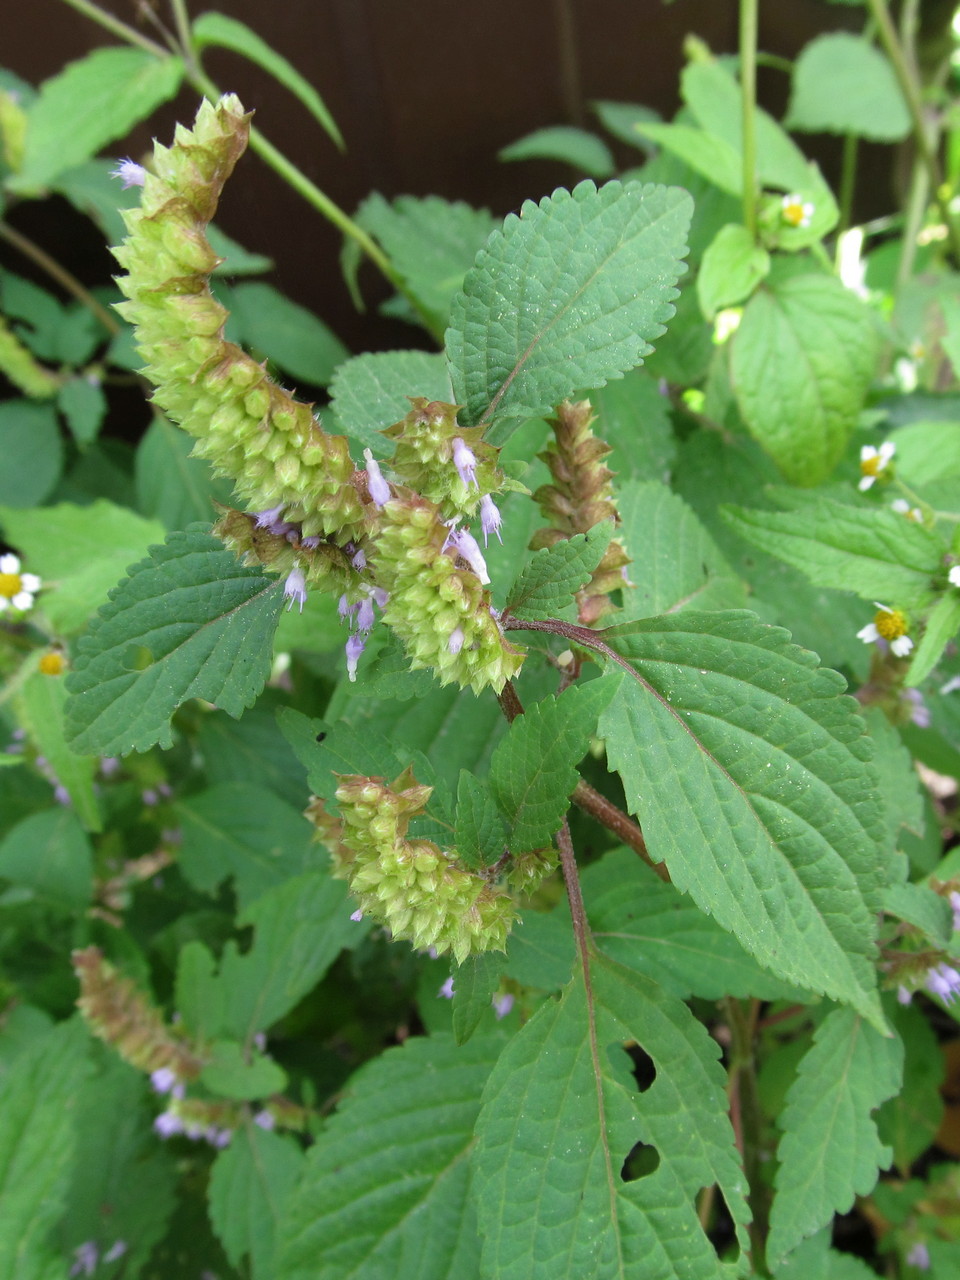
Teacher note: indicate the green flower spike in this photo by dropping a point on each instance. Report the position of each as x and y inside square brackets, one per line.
[269, 444]
[580, 497]
[446, 463]
[414, 888]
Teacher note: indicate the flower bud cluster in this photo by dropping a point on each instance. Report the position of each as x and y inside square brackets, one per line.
[448, 464]
[580, 497]
[251, 430]
[120, 1014]
[435, 575]
[418, 891]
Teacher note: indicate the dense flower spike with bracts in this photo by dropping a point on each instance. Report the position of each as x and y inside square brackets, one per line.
[449, 464]
[413, 887]
[581, 497]
[120, 1014]
[269, 444]
[438, 606]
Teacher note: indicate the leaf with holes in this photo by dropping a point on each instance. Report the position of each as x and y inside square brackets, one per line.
[569, 294]
[560, 1117]
[750, 775]
[189, 622]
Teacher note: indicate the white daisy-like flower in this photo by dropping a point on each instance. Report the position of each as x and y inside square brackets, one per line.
[953, 577]
[874, 462]
[796, 211]
[890, 626]
[903, 508]
[17, 590]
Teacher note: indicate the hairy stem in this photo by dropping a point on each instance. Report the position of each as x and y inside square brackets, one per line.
[748, 102]
[23, 244]
[748, 1117]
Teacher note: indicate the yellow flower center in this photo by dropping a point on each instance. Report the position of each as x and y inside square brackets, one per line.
[890, 623]
[10, 584]
[871, 466]
[52, 664]
[794, 213]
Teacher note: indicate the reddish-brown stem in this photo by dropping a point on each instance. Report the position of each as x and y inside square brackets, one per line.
[614, 819]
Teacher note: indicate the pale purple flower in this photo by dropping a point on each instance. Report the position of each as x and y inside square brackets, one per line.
[295, 588]
[62, 795]
[446, 991]
[455, 642]
[904, 994]
[379, 489]
[149, 797]
[260, 1040]
[954, 900]
[163, 1079]
[365, 616]
[86, 1256]
[502, 1004]
[265, 1120]
[357, 916]
[271, 516]
[109, 765]
[919, 711]
[466, 547]
[218, 1138]
[355, 646]
[167, 1124]
[359, 559]
[490, 518]
[381, 598]
[919, 1256]
[465, 460]
[943, 981]
[311, 543]
[345, 609]
[130, 173]
[116, 1250]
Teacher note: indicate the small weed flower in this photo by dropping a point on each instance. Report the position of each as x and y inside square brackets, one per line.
[954, 900]
[889, 625]
[130, 173]
[295, 588]
[943, 981]
[465, 460]
[354, 647]
[875, 463]
[490, 518]
[903, 508]
[796, 211]
[86, 1256]
[455, 642]
[953, 577]
[502, 1004]
[379, 489]
[919, 1256]
[52, 663]
[17, 590]
[446, 991]
[467, 548]
[163, 1079]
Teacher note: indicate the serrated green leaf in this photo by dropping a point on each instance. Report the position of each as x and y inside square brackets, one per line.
[814, 1259]
[227, 33]
[533, 770]
[728, 730]
[79, 552]
[290, 335]
[84, 405]
[927, 452]
[843, 84]
[32, 452]
[569, 294]
[542, 953]
[713, 158]
[250, 1183]
[103, 96]
[943, 623]
[633, 418]
[921, 907]
[474, 984]
[830, 1151]
[49, 853]
[674, 563]
[732, 267]
[189, 622]
[385, 1187]
[549, 580]
[801, 363]
[909, 1121]
[649, 927]
[874, 553]
[300, 928]
[40, 706]
[432, 243]
[577, 147]
[243, 831]
[173, 487]
[233, 1072]
[479, 834]
[252, 751]
[901, 789]
[560, 1117]
[371, 392]
[39, 1096]
[326, 750]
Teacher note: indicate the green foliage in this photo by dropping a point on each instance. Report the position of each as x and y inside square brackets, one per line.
[731, 269]
[576, 147]
[554, 574]
[249, 1185]
[32, 452]
[475, 982]
[292, 337]
[367, 395]
[842, 84]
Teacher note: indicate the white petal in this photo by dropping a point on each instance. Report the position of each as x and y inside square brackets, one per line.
[901, 646]
[29, 582]
[865, 483]
[9, 563]
[869, 634]
[954, 575]
[887, 450]
[23, 600]
[867, 452]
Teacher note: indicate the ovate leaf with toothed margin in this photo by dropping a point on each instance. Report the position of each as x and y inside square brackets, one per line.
[875, 553]
[371, 392]
[830, 1151]
[533, 770]
[479, 834]
[801, 362]
[560, 1117]
[385, 1187]
[569, 294]
[250, 1183]
[547, 583]
[843, 84]
[749, 773]
[474, 985]
[189, 622]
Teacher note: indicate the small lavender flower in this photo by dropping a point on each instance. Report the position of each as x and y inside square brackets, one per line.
[295, 588]
[365, 616]
[312, 542]
[446, 991]
[264, 1119]
[163, 1079]
[345, 609]
[86, 1256]
[904, 994]
[271, 516]
[116, 1250]
[260, 1041]
[109, 765]
[502, 1004]
[149, 797]
[455, 642]
[130, 174]
[219, 1138]
[357, 916]
[943, 981]
[167, 1124]
[381, 598]
[379, 489]
[919, 711]
[359, 559]
[62, 795]
[919, 1256]
[465, 460]
[466, 547]
[355, 646]
[490, 518]
[954, 900]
